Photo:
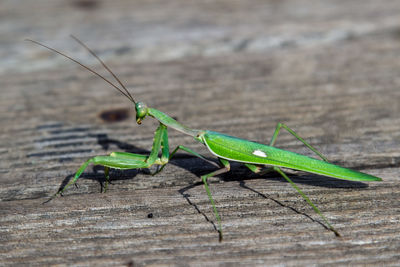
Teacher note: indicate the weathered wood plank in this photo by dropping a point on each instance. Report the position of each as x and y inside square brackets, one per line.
[330, 72]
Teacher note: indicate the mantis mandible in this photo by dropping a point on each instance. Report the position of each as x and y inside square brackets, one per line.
[225, 148]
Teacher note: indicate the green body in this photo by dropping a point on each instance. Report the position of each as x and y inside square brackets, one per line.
[236, 149]
[226, 148]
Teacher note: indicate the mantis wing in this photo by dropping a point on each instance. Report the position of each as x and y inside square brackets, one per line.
[236, 149]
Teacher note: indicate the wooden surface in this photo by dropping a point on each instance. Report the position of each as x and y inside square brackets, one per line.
[328, 69]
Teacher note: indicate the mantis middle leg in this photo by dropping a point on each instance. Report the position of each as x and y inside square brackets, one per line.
[224, 167]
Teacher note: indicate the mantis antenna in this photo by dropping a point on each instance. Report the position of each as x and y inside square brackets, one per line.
[104, 65]
[126, 93]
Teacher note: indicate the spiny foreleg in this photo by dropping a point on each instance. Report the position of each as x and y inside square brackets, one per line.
[126, 161]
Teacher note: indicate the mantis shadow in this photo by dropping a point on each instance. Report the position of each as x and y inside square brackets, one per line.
[315, 180]
[185, 161]
[243, 185]
[299, 177]
[239, 173]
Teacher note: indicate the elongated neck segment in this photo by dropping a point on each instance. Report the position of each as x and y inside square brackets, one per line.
[170, 122]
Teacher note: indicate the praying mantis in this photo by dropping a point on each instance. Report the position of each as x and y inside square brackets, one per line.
[255, 156]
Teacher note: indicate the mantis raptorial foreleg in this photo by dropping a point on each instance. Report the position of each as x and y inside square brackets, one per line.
[125, 161]
[281, 125]
[108, 162]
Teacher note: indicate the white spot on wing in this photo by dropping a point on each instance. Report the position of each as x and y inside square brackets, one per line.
[260, 153]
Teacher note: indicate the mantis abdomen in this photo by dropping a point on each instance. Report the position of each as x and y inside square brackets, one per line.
[236, 149]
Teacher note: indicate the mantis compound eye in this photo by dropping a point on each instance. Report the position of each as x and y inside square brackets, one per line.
[141, 111]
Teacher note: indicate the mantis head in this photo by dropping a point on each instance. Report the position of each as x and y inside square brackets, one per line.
[141, 111]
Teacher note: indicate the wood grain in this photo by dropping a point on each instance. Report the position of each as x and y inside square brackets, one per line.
[327, 69]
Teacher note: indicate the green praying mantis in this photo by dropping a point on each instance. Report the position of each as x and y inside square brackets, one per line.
[225, 148]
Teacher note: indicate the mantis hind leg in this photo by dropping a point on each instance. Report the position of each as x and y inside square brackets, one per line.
[256, 169]
[259, 168]
[281, 125]
[277, 169]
